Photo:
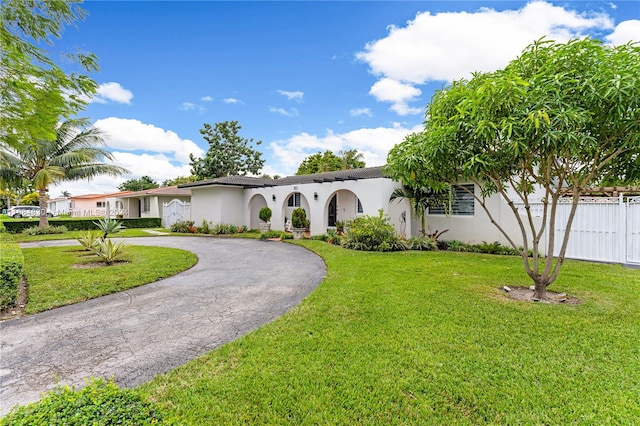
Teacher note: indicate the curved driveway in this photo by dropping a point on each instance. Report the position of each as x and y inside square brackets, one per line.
[236, 286]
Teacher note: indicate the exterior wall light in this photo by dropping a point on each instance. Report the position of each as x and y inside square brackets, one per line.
[315, 196]
[273, 197]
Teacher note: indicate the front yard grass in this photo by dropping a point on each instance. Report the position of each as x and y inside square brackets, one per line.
[426, 338]
[72, 235]
[54, 281]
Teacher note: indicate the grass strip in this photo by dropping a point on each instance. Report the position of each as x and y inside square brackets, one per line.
[426, 338]
[56, 280]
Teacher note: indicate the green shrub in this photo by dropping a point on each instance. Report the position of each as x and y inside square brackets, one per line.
[422, 243]
[224, 229]
[109, 226]
[205, 227]
[11, 263]
[45, 230]
[108, 251]
[2, 228]
[88, 240]
[182, 226]
[265, 214]
[299, 218]
[98, 403]
[15, 226]
[372, 233]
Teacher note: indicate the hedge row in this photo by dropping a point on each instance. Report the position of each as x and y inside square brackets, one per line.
[82, 224]
[11, 263]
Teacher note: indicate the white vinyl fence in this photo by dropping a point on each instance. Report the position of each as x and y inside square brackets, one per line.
[603, 229]
[175, 211]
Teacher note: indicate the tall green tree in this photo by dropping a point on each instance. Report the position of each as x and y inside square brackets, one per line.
[77, 152]
[320, 162]
[352, 159]
[229, 154]
[560, 116]
[327, 161]
[34, 91]
[145, 182]
[179, 180]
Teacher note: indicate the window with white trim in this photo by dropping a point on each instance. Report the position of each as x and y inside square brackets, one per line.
[101, 204]
[294, 200]
[359, 208]
[463, 205]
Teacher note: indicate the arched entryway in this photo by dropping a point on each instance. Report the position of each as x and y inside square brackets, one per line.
[292, 202]
[255, 204]
[342, 206]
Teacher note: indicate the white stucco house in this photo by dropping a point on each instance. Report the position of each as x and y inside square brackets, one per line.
[326, 197]
[342, 195]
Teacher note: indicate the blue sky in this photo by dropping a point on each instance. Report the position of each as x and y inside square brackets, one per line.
[302, 77]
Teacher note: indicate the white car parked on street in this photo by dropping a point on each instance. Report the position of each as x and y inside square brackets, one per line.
[26, 211]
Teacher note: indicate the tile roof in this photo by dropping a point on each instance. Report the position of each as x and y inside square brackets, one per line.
[165, 190]
[253, 182]
[90, 196]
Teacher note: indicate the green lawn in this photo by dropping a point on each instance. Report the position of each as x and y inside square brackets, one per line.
[72, 235]
[426, 338]
[53, 281]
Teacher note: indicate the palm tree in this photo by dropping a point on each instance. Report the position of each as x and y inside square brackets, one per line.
[352, 159]
[421, 199]
[76, 153]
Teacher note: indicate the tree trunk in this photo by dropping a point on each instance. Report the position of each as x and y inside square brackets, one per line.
[44, 220]
[540, 292]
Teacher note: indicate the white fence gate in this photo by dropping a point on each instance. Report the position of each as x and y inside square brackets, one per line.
[603, 229]
[175, 211]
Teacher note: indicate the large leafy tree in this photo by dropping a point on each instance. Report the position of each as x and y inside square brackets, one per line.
[559, 117]
[77, 152]
[327, 161]
[229, 154]
[145, 182]
[34, 90]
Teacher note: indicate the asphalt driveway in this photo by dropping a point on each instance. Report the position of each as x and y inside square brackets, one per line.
[236, 286]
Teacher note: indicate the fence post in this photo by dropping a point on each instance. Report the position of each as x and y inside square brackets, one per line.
[622, 229]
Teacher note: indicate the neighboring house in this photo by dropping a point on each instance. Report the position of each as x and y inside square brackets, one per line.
[93, 205]
[326, 197]
[59, 206]
[146, 203]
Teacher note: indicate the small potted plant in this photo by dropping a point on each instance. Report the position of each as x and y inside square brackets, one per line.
[299, 223]
[265, 217]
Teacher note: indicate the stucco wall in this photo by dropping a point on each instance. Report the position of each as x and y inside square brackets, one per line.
[218, 205]
[373, 194]
[478, 228]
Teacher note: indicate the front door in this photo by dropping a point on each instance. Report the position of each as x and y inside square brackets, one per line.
[333, 210]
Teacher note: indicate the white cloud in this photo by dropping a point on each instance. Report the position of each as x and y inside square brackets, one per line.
[399, 94]
[293, 112]
[373, 143]
[292, 96]
[112, 92]
[625, 32]
[133, 135]
[232, 101]
[189, 106]
[206, 99]
[452, 45]
[356, 112]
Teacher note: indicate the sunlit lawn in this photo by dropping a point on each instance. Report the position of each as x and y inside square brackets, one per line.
[54, 280]
[21, 237]
[426, 338]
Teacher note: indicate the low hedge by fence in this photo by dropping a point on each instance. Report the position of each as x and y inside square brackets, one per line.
[11, 263]
[15, 226]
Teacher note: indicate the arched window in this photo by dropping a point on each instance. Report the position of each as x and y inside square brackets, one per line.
[294, 200]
